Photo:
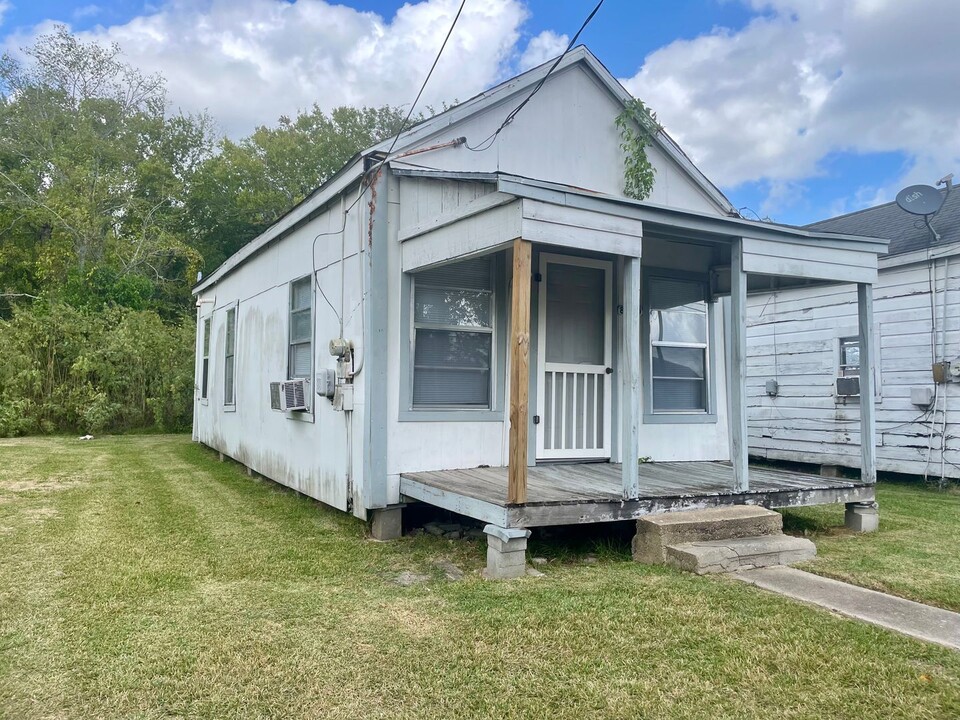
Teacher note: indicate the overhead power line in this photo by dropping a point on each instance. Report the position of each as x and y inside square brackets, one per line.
[488, 142]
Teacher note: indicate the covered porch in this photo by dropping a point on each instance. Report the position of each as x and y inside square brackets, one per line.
[546, 479]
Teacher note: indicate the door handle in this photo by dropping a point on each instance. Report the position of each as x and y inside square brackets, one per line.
[608, 371]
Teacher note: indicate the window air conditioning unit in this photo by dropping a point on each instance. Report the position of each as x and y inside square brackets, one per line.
[289, 395]
[848, 386]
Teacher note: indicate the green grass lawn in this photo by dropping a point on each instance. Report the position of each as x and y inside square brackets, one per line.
[915, 554]
[140, 578]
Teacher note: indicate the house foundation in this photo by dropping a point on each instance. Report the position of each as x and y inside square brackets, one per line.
[387, 524]
[506, 552]
[862, 517]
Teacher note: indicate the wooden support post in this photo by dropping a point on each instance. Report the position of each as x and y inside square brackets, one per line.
[630, 387]
[519, 372]
[868, 419]
[736, 385]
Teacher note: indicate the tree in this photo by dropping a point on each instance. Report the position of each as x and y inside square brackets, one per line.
[94, 174]
[251, 183]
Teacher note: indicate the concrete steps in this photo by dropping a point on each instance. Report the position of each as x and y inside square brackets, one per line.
[718, 540]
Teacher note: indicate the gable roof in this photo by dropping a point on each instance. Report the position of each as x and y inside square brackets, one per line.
[419, 136]
[906, 232]
[421, 133]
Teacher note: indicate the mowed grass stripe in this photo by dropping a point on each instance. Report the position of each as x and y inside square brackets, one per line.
[188, 589]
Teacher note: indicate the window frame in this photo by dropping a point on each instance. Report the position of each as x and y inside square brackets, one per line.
[205, 342]
[650, 415]
[853, 333]
[493, 411]
[290, 313]
[230, 359]
[465, 329]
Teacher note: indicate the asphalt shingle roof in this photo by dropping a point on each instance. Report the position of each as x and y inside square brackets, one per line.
[906, 232]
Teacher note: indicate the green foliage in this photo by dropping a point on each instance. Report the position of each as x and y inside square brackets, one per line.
[93, 173]
[109, 205]
[638, 126]
[250, 184]
[68, 369]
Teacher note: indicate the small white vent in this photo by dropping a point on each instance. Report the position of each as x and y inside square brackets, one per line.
[275, 396]
[294, 395]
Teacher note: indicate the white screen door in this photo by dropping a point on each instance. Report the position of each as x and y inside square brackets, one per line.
[573, 358]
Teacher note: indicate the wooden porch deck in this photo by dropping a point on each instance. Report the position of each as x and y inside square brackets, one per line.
[570, 494]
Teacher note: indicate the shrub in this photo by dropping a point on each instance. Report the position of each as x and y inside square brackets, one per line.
[64, 369]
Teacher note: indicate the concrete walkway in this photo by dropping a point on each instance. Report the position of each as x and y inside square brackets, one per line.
[904, 616]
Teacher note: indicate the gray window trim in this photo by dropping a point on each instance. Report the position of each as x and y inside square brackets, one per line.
[498, 357]
[206, 340]
[677, 418]
[234, 308]
[306, 415]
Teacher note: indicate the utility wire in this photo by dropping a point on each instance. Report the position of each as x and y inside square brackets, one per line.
[488, 142]
[425, 81]
[376, 171]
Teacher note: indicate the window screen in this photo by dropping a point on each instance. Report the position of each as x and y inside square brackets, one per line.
[229, 352]
[453, 335]
[678, 345]
[300, 360]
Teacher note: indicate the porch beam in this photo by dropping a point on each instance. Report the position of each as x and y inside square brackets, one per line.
[630, 380]
[737, 375]
[868, 420]
[519, 372]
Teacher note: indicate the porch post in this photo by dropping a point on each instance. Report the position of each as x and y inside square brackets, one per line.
[868, 421]
[630, 386]
[736, 384]
[519, 372]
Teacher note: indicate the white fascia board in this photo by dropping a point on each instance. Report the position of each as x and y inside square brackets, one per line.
[333, 188]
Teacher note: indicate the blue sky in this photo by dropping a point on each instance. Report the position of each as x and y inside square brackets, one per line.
[798, 109]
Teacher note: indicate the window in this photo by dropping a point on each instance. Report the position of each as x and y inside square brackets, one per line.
[205, 370]
[228, 356]
[453, 336]
[678, 346]
[849, 357]
[300, 359]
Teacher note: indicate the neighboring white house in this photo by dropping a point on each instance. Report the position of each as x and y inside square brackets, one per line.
[456, 318]
[805, 339]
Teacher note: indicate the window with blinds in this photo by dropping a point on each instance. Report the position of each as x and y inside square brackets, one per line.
[300, 358]
[678, 345]
[453, 335]
[230, 347]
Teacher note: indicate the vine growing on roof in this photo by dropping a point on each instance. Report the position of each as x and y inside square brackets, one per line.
[638, 126]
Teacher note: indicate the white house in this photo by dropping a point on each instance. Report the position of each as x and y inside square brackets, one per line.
[485, 323]
[805, 340]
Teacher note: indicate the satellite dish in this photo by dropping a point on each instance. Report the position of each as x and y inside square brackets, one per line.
[920, 200]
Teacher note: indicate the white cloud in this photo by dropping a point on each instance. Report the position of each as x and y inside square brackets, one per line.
[250, 61]
[545, 46]
[808, 78]
[86, 11]
[5, 7]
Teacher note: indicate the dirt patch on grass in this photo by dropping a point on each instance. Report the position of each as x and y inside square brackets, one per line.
[40, 514]
[51, 484]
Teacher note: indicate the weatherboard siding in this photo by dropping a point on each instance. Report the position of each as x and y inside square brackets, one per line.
[793, 338]
[304, 451]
